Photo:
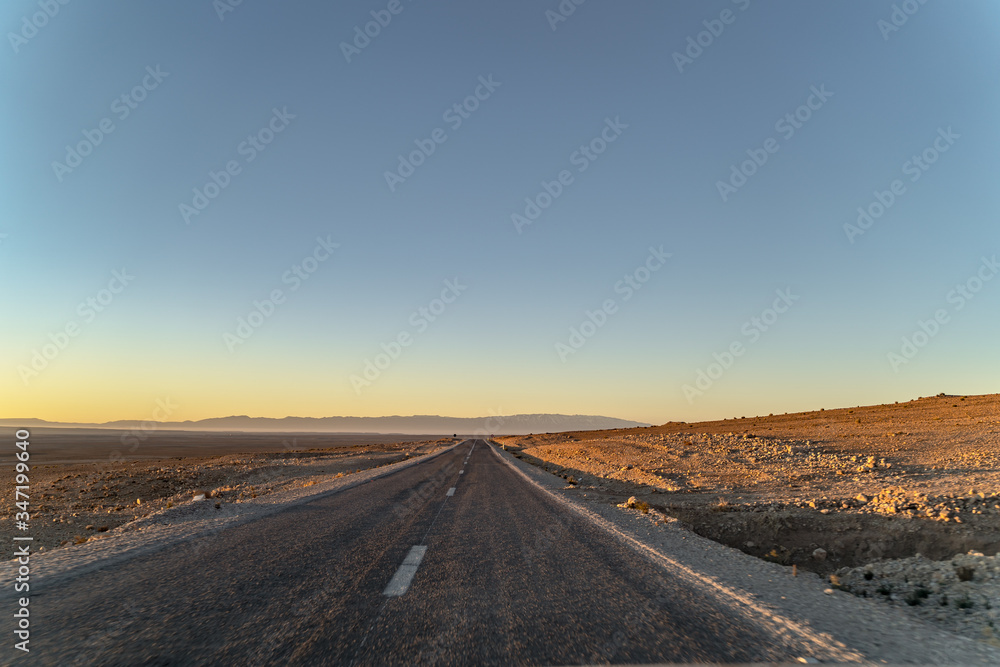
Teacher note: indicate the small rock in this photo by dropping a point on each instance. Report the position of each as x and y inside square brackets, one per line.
[819, 554]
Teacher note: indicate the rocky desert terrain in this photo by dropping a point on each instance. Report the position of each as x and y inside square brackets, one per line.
[82, 487]
[899, 502]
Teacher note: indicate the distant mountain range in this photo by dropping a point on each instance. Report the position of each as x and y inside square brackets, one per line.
[414, 425]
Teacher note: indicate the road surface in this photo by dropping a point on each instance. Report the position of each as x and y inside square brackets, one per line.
[455, 560]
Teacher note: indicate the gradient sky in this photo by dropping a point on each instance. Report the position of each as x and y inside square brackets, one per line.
[494, 348]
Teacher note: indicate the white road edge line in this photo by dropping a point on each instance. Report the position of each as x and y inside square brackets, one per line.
[404, 575]
[451, 492]
[123, 547]
[775, 621]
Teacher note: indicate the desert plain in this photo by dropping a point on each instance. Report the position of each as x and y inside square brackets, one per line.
[87, 482]
[899, 503]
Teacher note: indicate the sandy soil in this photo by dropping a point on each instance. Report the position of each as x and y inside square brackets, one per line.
[822, 490]
[73, 501]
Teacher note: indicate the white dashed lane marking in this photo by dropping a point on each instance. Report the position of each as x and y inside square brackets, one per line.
[401, 581]
[404, 575]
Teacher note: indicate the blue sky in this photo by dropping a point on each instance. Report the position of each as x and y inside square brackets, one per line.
[505, 342]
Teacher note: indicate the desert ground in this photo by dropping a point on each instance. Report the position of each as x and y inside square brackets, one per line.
[846, 493]
[86, 482]
[899, 503]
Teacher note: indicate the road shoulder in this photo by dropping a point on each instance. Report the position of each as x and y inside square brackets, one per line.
[838, 626]
[191, 521]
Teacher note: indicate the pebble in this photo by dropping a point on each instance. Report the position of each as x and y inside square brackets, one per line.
[959, 593]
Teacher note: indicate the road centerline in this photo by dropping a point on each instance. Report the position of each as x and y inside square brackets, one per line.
[400, 581]
[403, 577]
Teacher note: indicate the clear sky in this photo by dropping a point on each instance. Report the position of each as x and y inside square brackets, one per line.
[712, 154]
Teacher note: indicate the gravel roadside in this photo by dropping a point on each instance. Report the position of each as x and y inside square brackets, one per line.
[191, 523]
[838, 626]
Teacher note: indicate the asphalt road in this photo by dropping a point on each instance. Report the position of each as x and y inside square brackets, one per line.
[506, 577]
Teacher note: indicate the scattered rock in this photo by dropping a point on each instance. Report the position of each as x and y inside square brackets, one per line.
[947, 592]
